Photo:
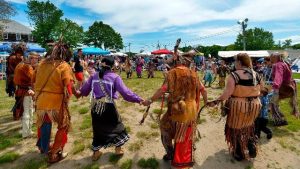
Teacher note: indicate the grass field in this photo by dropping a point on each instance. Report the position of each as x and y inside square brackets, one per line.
[144, 149]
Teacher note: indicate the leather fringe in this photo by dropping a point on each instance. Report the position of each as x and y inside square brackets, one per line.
[181, 129]
[235, 137]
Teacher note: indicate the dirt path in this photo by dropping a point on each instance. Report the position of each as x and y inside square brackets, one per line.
[211, 153]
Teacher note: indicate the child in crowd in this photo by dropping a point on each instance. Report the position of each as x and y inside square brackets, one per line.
[262, 120]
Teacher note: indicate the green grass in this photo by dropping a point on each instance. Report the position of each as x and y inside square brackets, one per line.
[87, 133]
[92, 166]
[128, 129]
[78, 146]
[135, 146]
[87, 123]
[154, 125]
[83, 110]
[34, 164]
[126, 164]
[156, 111]
[9, 157]
[293, 123]
[249, 167]
[151, 163]
[296, 75]
[201, 120]
[6, 103]
[9, 140]
[146, 135]
[113, 158]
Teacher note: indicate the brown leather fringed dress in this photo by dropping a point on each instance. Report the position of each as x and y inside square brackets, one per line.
[244, 107]
[179, 122]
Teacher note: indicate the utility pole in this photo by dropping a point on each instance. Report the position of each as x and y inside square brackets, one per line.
[244, 26]
[129, 47]
[158, 45]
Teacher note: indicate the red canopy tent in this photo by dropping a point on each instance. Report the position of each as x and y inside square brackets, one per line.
[161, 51]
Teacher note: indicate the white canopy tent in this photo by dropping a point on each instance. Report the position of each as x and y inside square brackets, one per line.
[259, 53]
[144, 54]
[118, 54]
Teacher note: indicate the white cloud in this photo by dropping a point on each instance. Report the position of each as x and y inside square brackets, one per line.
[18, 1]
[212, 31]
[295, 39]
[135, 16]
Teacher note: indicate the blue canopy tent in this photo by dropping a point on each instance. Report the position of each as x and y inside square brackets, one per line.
[94, 51]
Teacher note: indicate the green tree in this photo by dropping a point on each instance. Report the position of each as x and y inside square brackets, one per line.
[256, 39]
[71, 31]
[45, 17]
[296, 46]
[186, 48]
[6, 11]
[100, 33]
[287, 43]
[230, 47]
[210, 50]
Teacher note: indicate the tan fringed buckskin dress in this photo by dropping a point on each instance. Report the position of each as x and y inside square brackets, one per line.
[244, 107]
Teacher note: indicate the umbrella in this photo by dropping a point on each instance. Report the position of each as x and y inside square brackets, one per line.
[35, 48]
[94, 51]
[161, 51]
[5, 48]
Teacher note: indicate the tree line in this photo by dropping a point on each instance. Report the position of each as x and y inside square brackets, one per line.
[256, 39]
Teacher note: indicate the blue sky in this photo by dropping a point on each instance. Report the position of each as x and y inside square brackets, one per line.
[144, 23]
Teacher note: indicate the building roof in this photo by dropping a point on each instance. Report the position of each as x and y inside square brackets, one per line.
[11, 26]
[292, 53]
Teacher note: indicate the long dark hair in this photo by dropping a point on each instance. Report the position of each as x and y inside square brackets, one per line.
[102, 70]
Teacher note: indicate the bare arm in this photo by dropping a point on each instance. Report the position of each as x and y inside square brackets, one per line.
[230, 86]
[204, 95]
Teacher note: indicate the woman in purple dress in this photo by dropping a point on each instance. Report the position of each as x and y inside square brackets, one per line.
[108, 129]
